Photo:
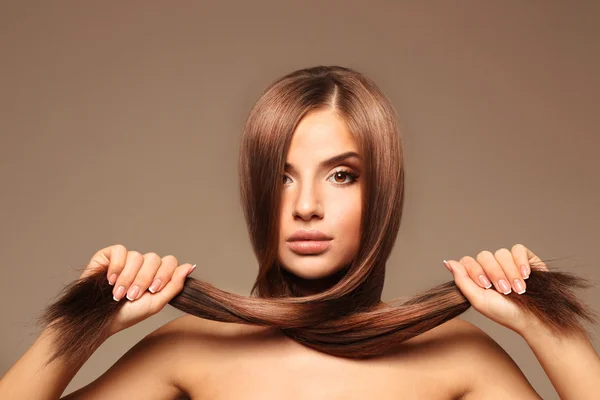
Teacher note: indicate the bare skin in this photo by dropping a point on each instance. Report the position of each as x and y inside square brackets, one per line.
[200, 359]
[261, 363]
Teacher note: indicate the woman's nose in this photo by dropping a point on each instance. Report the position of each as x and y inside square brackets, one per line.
[308, 204]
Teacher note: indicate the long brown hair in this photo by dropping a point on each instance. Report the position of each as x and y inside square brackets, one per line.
[345, 320]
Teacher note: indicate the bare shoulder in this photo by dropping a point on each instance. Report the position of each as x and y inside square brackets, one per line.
[478, 362]
[152, 368]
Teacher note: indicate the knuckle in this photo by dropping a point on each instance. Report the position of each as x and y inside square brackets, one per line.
[143, 278]
[466, 260]
[152, 257]
[119, 246]
[518, 246]
[135, 255]
[482, 255]
[125, 279]
[501, 251]
[171, 259]
[174, 274]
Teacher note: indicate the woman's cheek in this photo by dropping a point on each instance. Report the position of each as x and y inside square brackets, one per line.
[345, 214]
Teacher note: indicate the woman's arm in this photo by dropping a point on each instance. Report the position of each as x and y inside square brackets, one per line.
[146, 371]
[29, 379]
[571, 363]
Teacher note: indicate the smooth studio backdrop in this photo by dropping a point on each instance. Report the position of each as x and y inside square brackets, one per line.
[120, 123]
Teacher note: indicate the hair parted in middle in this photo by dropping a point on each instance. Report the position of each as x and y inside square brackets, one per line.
[266, 138]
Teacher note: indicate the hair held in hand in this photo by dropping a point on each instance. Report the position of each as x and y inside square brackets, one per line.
[345, 320]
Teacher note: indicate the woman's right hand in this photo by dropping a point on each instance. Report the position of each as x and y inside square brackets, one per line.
[146, 282]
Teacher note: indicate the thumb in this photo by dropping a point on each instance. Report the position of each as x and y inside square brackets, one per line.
[469, 289]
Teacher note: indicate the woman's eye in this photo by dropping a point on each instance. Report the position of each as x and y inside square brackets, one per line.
[340, 177]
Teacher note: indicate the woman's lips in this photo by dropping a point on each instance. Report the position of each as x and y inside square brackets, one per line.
[309, 246]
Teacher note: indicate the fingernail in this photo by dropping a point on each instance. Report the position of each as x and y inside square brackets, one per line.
[519, 286]
[132, 293]
[485, 282]
[447, 264]
[155, 285]
[112, 279]
[192, 269]
[524, 272]
[504, 286]
[120, 293]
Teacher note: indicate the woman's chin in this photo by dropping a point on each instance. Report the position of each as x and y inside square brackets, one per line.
[311, 275]
[311, 269]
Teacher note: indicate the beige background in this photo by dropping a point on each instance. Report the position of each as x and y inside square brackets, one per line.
[120, 124]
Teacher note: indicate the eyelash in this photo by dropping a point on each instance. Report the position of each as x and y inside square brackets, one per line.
[347, 172]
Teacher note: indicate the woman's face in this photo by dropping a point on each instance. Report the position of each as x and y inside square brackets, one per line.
[322, 192]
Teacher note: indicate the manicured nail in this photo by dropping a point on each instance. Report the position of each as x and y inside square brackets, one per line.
[112, 279]
[524, 272]
[504, 286]
[519, 286]
[447, 264]
[485, 282]
[192, 269]
[155, 285]
[133, 292]
[120, 293]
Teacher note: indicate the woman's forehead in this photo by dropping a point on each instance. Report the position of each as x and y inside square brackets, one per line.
[319, 136]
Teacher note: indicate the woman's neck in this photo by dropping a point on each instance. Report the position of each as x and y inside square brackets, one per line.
[307, 287]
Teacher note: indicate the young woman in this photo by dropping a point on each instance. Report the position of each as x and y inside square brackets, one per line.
[321, 173]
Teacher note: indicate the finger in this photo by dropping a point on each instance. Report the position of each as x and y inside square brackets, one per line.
[495, 272]
[535, 260]
[142, 280]
[476, 272]
[164, 273]
[506, 261]
[521, 257]
[173, 287]
[102, 260]
[133, 263]
[118, 255]
[467, 286]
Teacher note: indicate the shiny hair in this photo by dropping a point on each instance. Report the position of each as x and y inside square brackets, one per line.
[347, 319]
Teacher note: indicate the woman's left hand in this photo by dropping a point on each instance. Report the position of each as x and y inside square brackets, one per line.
[503, 271]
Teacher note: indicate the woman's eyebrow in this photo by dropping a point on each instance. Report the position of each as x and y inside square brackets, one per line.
[330, 161]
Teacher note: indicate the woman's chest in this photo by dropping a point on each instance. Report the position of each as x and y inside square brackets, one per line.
[317, 376]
